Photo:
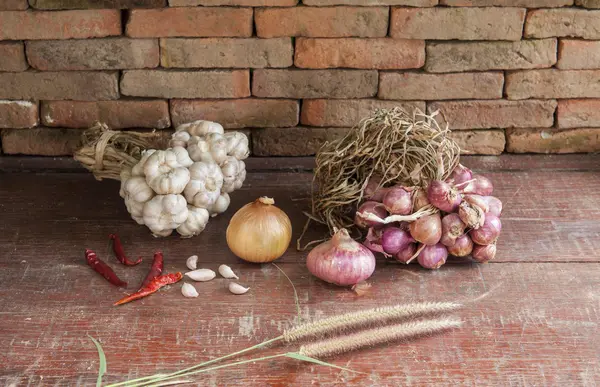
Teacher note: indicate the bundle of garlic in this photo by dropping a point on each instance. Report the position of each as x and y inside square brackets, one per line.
[179, 187]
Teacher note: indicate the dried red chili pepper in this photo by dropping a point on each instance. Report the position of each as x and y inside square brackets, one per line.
[102, 268]
[152, 287]
[120, 253]
[155, 270]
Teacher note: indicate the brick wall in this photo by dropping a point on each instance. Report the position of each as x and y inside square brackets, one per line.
[509, 75]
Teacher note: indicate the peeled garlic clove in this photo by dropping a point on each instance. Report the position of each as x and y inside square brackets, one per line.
[226, 272]
[188, 290]
[192, 262]
[237, 288]
[201, 275]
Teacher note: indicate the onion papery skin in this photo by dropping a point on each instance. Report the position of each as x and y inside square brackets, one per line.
[471, 215]
[489, 232]
[461, 174]
[419, 199]
[341, 260]
[462, 247]
[259, 231]
[394, 239]
[370, 207]
[452, 228]
[443, 196]
[373, 240]
[427, 229]
[432, 257]
[480, 186]
[406, 254]
[398, 201]
[483, 254]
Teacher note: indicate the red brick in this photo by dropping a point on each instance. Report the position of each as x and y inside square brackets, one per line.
[580, 23]
[298, 141]
[91, 4]
[588, 3]
[186, 84]
[457, 23]
[41, 141]
[480, 142]
[553, 141]
[119, 114]
[18, 114]
[77, 85]
[551, 83]
[182, 22]
[328, 22]
[314, 83]
[13, 5]
[495, 114]
[59, 24]
[93, 54]
[578, 113]
[418, 86]
[379, 53]
[243, 3]
[237, 113]
[12, 57]
[465, 56]
[507, 3]
[347, 112]
[226, 53]
[578, 54]
[360, 3]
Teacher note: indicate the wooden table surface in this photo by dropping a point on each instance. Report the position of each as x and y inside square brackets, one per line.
[537, 326]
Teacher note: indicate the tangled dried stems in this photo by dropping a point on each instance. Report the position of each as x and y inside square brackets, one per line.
[401, 148]
[106, 152]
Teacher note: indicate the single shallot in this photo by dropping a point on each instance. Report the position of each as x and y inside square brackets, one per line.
[427, 229]
[443, 196]
[394, 239]
[471, 215]
[227, 272]
[488, 232]
[201, 275]
[483, 254]
[188, 290]
[369, 207]
[461, 174]
[452, 228]
[461, 247]
[480, 185]
[432, 257]
[407, 253]
[237, 288]
[398, 201]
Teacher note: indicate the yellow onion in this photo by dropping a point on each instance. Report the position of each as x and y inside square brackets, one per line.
[259, 231]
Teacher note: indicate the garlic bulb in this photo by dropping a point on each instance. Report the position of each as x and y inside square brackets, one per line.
[259, 231]
[234, 174]
[180, 139]
[138, 169]
[195, 222]
[136, 193]
[237, 288]
[200, 128]
[188, 290]
[220, 205]
[205, 184]
[166, 171]
[227, 272]
[202, 275]
[237, 145]
[164, 213]
[209, 148]
[192, 262]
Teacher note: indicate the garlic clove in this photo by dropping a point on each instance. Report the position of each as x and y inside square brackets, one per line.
[201, 275]
[227, 272]
[237, 288]
[188, 290]
[192, 262]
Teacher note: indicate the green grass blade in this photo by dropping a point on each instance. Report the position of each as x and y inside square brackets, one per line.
[102, 368]
[297, 356]
[296, 299]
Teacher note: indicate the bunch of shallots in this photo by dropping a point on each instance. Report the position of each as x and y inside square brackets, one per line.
[456, 217]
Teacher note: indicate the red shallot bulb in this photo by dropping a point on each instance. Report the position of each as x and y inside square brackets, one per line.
[461, 174]
[432, 257]
[489, 204]
[369, 207]
[419, 199]
[341, 260]
[427, 229]
[480, 186]
[471, 215]
[494, 205]
[373, 240]
[373, 191]
[489, 232]
[407, 253]
[461, 247]
[398, 201]
[483, 254]
[443, 196]
[452, 228]
[394, 239]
